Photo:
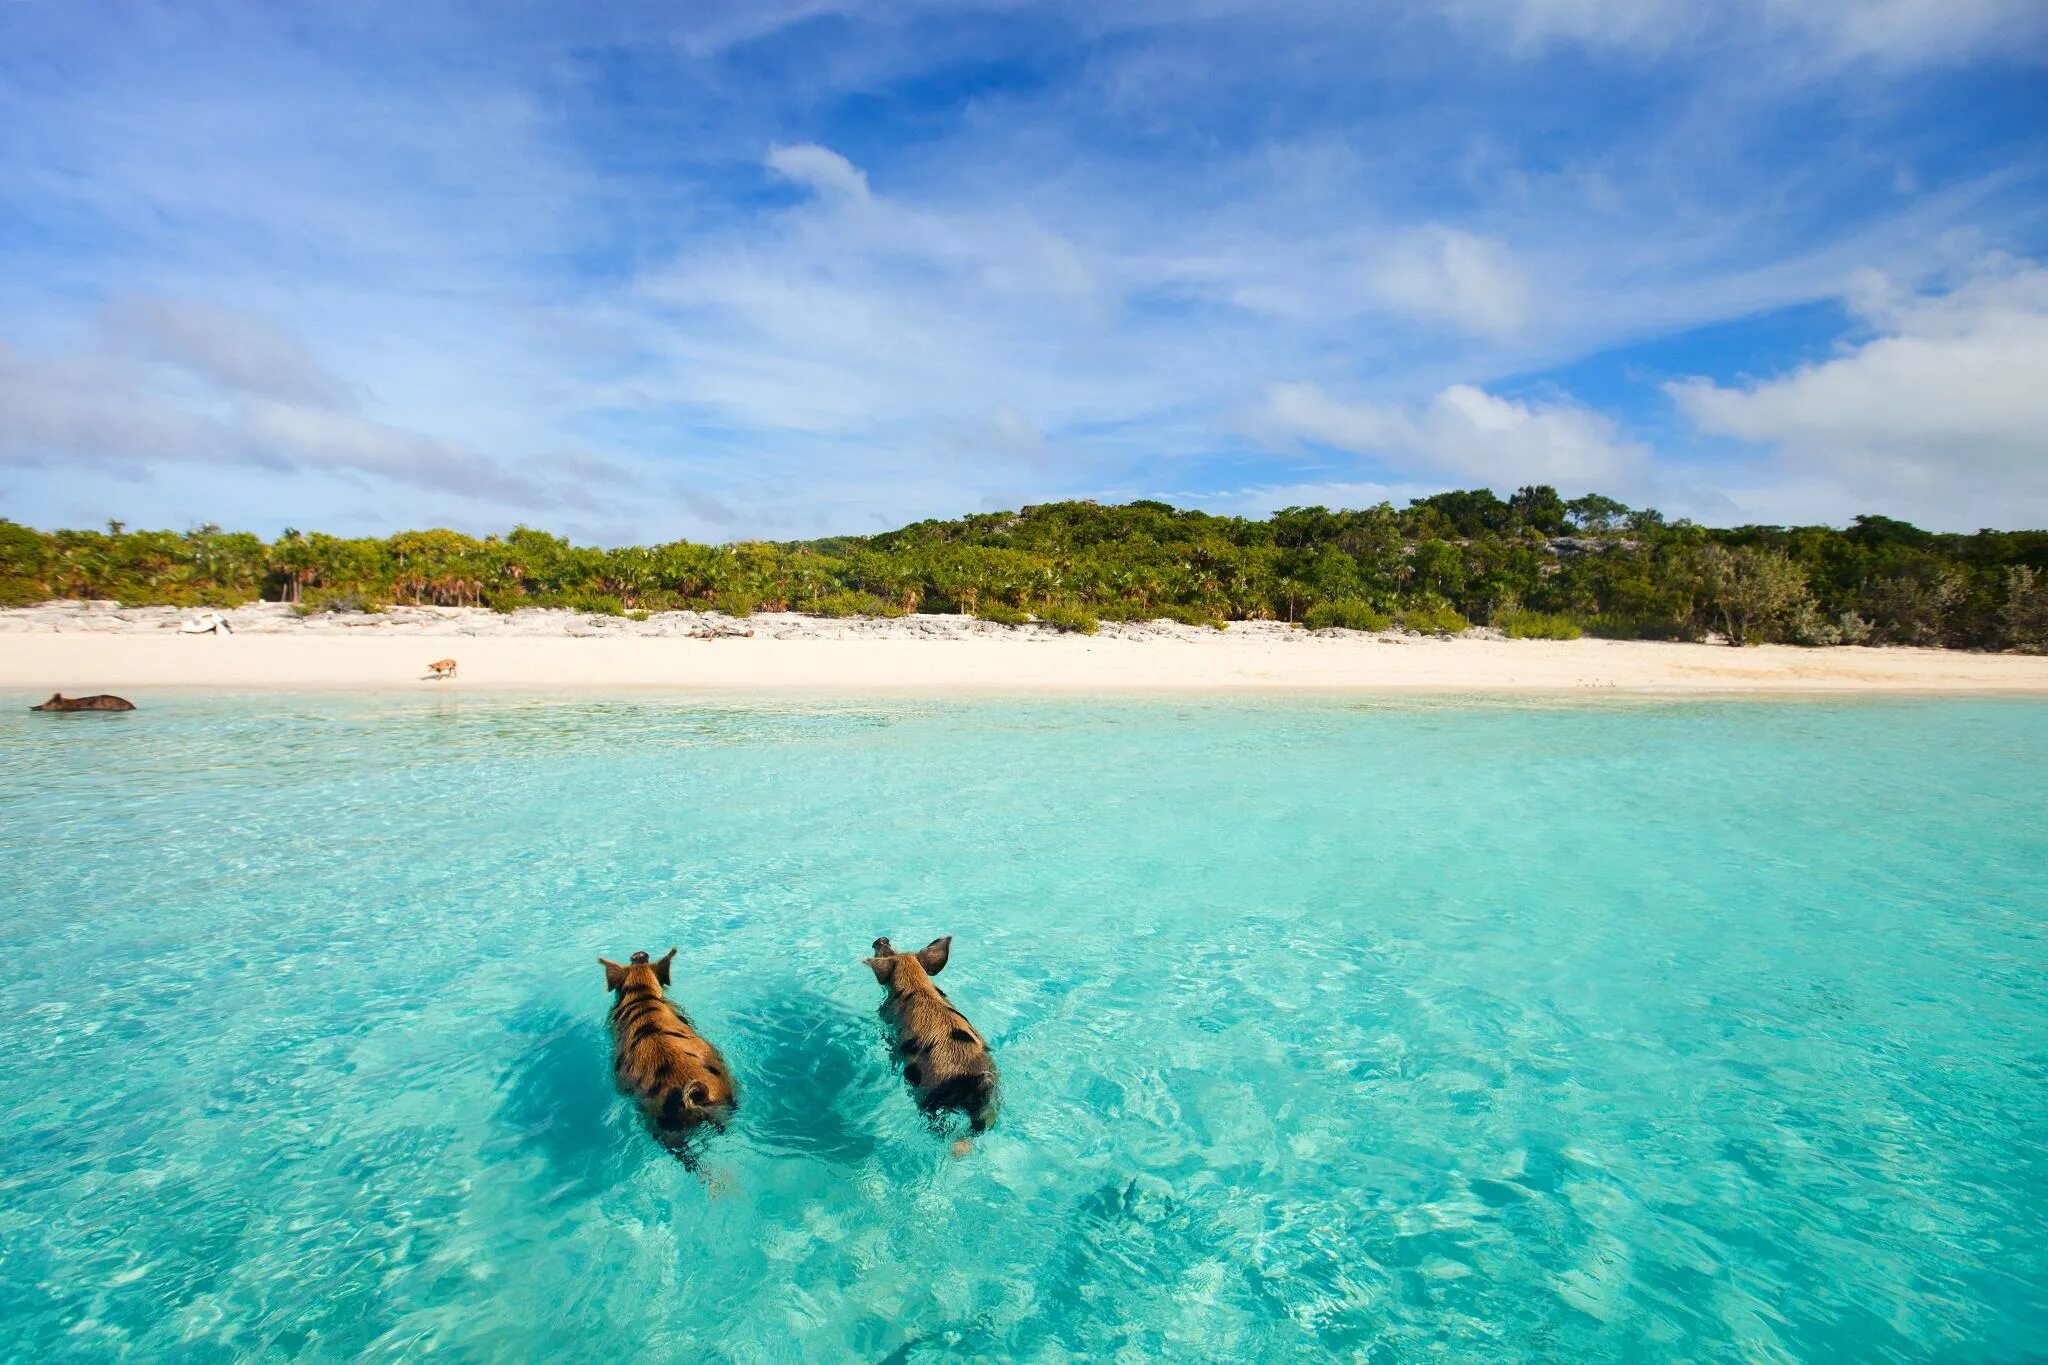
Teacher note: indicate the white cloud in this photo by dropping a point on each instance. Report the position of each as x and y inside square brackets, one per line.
[1912, 31]
[102, 407]
[235, 349]
[1468, 435]
[1453, 276]
[1897, 32]
[1597, 23]
[1055, 286]
[823, 170]
[1942, 414]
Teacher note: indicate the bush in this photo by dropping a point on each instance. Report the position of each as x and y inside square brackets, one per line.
[1187, 616]
[1350, 614]
[340, 601]
[1522, 624]
[636, 616]
[1753, 593]
[22, 592]
[1614, 626]
[597, 603]
[843, 604]
[1433, 620]
[1003, 615]
[1809, 627]
[1910, 610]
[2023, 621]
[1076, 620]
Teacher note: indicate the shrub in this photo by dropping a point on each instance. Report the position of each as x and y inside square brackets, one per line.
[340, 601]
[1187, 616]
[597, 603]
[1522, 624]
[1754, 594]
[735, 604]
[1809, 627]
[842, 604]
[1915, 610]
[636, 616]
[1003, 615]
[1350, 614]
[1616, 626]
[2023, 621]
[22, 592]
[1076, 620]
[1433, 620]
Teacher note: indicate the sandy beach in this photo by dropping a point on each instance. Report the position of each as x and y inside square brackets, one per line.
[90, 647]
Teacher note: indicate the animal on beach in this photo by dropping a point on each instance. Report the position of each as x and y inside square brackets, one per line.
[677, 1078]
[103, 701]
[441, 668]
[943, 1057]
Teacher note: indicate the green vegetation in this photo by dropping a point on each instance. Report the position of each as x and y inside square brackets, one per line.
[1432, 618]
[1059, 616]
[1519, 623]
[852, 604]
[1533, 564]
[1345, 615]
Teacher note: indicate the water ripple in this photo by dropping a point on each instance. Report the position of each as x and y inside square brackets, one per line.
[1370, 1031]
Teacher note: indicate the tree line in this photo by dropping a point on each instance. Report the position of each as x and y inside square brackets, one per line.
[1533, 564]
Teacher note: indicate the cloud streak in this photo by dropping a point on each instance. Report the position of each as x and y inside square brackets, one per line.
[809, 267]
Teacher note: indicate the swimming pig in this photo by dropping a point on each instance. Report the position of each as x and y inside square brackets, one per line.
[944, 1059]
[104, 701]
[678, 1079]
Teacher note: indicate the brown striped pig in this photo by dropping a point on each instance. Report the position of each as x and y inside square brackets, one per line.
[943, 1057]
[678, 1079]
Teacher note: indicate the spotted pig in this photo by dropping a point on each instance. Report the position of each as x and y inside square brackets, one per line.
[678, 1079]
[944, 1058]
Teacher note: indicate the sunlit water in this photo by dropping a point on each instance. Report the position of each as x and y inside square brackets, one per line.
[1378, 1030]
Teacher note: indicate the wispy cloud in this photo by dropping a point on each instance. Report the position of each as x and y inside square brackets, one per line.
[789, 268]
[1900, 32]
[1456, 277]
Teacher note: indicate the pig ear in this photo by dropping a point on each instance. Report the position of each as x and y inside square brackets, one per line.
[884, 968]
[614, 974]
[934, 954]
[661, 966]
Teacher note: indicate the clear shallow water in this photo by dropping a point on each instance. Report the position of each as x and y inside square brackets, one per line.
[1380, 1030]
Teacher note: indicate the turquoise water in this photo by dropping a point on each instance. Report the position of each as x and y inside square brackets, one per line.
[1377, 1030]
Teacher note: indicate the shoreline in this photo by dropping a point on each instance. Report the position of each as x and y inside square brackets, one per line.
[84, 648]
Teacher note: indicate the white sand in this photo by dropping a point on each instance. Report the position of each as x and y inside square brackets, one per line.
[84, 648]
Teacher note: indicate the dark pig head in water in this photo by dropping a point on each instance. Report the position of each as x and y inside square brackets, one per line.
[101, 702]
[942, 1055]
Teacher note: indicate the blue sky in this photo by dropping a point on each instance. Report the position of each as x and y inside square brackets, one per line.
[644, 271]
